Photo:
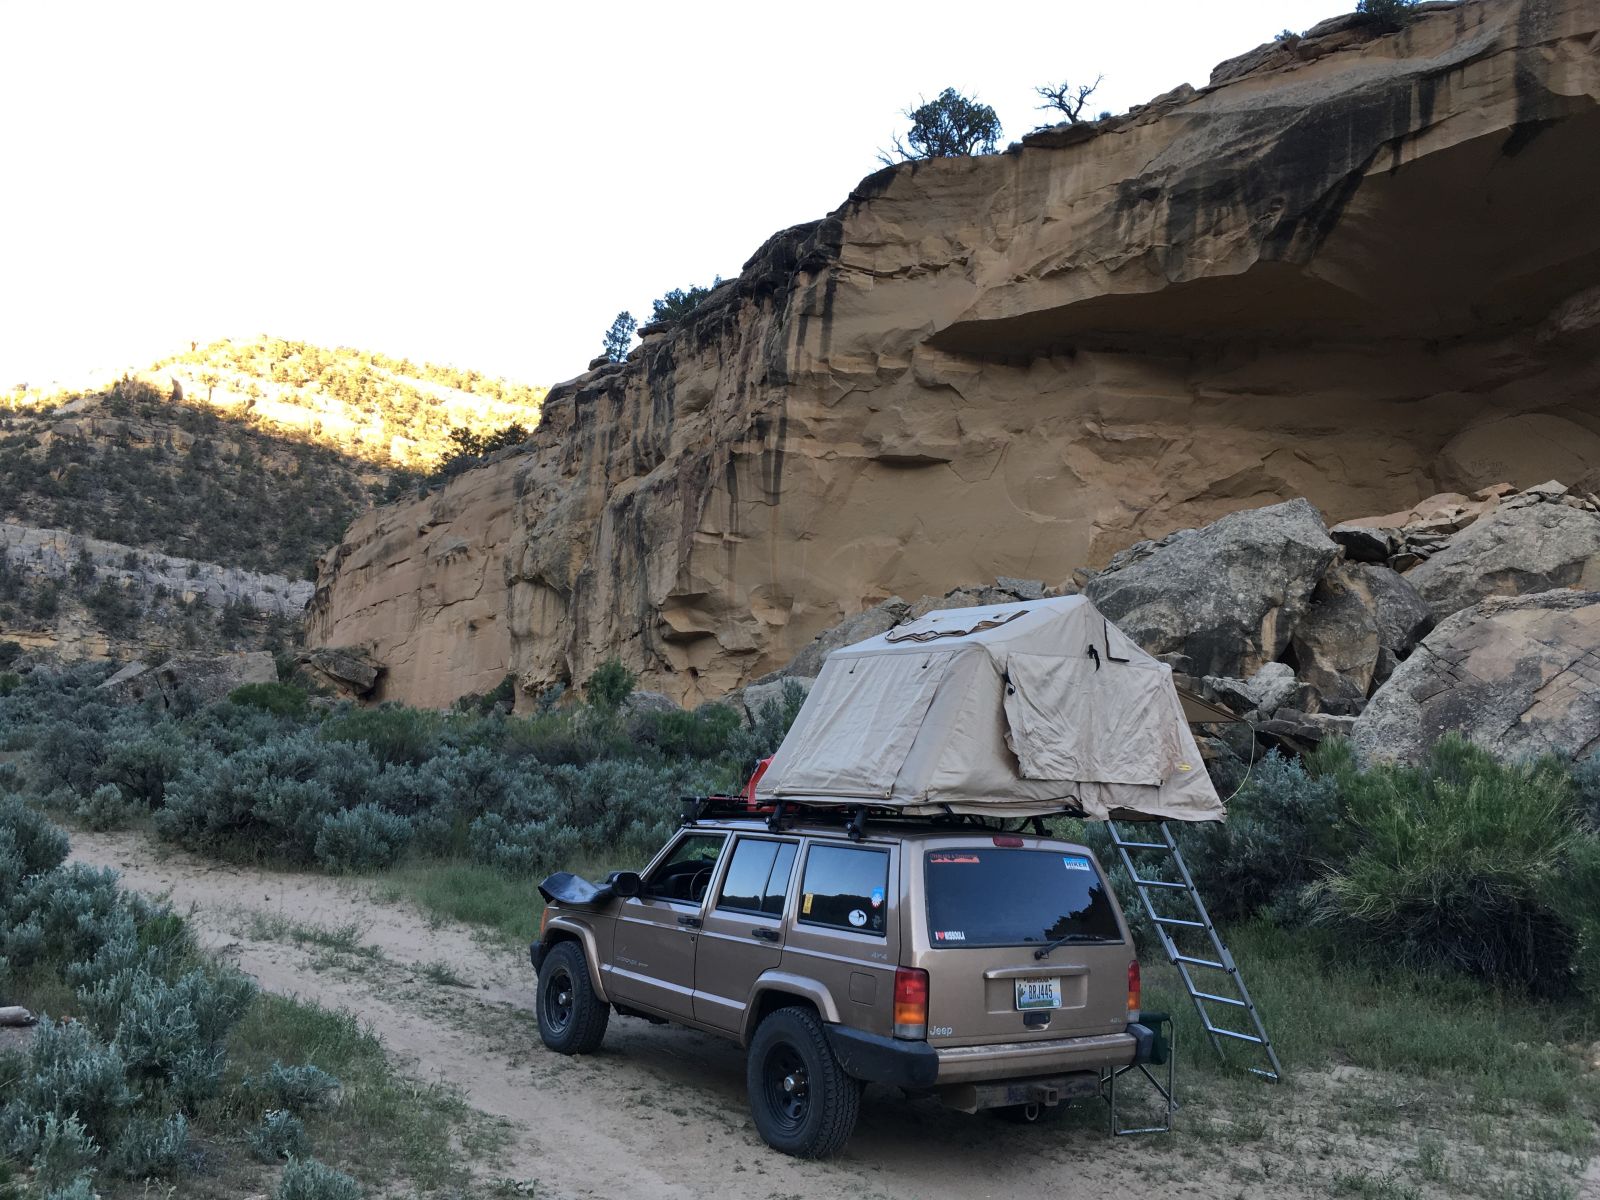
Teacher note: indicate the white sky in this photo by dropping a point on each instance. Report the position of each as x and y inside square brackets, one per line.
[482, 184]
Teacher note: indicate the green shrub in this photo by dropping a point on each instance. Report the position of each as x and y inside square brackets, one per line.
[104, 808]
[362, 838]
[280, 1135]
[393, 734]
[1283, 828]
[306, 1179]
[69, 915]
[267, 800]
[29, 844]
[81, 1188]
[141, 761]
[703, 733]
[65, 1151]
[299, 1090]
[1455, 864]
[280, 699]
[610, 685]
[69, 1073]
[150, 1147]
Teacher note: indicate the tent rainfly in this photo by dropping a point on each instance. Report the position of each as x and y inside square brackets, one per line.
[1010, 710]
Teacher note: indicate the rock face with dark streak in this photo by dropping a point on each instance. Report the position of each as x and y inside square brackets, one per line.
[1353, 271]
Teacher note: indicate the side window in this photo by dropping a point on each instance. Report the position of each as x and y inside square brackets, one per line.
[685, 874]
[758, 877]
[844, 888]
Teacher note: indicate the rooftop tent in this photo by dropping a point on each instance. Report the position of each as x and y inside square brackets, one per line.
[1009, 710]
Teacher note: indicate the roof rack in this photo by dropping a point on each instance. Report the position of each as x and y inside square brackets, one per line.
[852, 817]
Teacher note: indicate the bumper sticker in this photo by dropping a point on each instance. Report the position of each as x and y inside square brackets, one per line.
[857, 918]
[877, 897]
[949, 935]
[1074, 862]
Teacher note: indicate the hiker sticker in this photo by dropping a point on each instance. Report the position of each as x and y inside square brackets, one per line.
[949, 935]
[877, 897]
[1073, 862]
[806, 907]
[857, 918]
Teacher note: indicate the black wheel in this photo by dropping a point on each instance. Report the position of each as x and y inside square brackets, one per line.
[571, 1018]
[802, 1101]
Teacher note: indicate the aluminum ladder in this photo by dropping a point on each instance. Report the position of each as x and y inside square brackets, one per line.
[1169, 927]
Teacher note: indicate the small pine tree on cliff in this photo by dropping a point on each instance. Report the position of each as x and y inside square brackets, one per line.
[1386, 14]
[946, 127]
[620, 336]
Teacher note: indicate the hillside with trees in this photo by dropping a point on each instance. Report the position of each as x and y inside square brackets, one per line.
[250, 455]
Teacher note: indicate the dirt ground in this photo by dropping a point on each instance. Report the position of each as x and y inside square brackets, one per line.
[660, 1111]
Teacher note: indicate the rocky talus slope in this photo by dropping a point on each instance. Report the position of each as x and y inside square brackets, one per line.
[1358, 267]
[1478, 615]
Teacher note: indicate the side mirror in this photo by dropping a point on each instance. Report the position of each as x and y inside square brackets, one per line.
[627, 884]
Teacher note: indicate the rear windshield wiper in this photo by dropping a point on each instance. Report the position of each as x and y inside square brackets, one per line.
[1044, 951]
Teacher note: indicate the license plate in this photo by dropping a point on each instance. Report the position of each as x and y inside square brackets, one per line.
[1038, 993]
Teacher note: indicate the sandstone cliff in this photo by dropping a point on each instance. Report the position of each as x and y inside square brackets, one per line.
[1359, 268]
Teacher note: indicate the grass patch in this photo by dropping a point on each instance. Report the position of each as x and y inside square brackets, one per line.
[385, 1126]
[1440, 1062]
[343, 939]
[506, 908]
[443, 974]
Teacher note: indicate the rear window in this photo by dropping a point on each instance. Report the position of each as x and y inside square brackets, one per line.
[983, 896]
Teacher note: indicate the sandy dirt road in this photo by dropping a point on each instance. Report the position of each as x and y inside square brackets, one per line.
[660, 1111]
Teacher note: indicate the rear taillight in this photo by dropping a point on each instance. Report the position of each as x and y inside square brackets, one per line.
[910, 1003]
[1133, 990]
[544, 919]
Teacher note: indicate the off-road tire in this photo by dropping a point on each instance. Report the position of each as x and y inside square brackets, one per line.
[792, 1040]
[572, 1020]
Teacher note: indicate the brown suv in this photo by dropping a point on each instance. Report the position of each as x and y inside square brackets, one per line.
[991, 969]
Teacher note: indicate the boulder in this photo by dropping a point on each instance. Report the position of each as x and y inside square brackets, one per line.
[1514, 550]
[1365, 543]
[190, 678]
[1226, 595]
[751, 699]
[349, 670]
[643, 702]
[1514, 674]
[880, 618]
[1403, 616]
[1336, 643]
[1264, 692]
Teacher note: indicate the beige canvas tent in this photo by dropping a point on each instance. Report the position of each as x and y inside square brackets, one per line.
[1008, 710]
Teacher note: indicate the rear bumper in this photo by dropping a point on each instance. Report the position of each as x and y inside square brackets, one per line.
[876, 1059]
[1014, 1060]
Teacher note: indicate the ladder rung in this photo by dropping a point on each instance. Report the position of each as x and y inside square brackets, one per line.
[1160, 883]
[1233, 1033]
[1180, 921]
[1142, 845]
[1219, 999]
[1198, 962]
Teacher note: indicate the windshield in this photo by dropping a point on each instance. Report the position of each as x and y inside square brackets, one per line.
[978, 896]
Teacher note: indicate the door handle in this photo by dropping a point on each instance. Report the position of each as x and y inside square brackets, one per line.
[766, 935]
[691, 922]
